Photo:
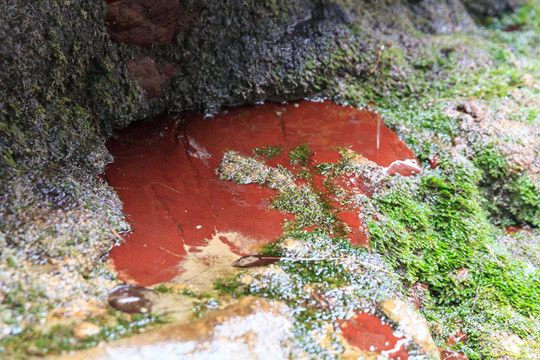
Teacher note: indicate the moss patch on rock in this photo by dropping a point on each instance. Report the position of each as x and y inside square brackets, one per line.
[467, 104]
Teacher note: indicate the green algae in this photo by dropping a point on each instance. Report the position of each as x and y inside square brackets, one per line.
[58, 101]
[431, 230]
[269, 152]
[308, 207]
[36, 342]
[300, 155]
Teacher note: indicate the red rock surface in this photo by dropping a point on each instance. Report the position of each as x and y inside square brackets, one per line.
[164, 172]
[457, 338]
[368, 333]
[451, 355]
[516, 229]
[145, 22]
[144, 72]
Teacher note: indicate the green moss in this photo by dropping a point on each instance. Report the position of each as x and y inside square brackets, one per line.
[60, 339]
[231, 287]
[511, 196]
[163, 289]
[307, 205]
[301, 155]
[323, 280]
[438, 229]
[435, 232]
[525, 199]
[269, 152]
[204, 306]
[492, 164]
[271, 249]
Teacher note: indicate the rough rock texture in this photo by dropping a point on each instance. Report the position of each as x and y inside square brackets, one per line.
[451, 355]
[147, 22]
[484, 8]
[250, 329]
[144, 72]
[411, 323]
[509, 346]
[441, 17]
[517, 141]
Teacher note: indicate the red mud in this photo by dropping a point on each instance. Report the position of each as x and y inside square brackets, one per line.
[164, 172]
[368, 333]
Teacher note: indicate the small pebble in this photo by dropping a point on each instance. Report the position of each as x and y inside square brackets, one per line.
[131, 299]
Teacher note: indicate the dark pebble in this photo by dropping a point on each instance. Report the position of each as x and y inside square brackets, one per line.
[131, 299]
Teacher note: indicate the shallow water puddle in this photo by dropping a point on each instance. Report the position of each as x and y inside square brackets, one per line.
[185, 220]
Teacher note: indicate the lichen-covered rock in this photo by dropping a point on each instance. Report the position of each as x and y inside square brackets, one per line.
[506, 346]
[442, 17]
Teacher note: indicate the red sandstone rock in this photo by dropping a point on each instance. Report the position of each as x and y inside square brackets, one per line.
[145, 22]
[166, 71]
[368, 333]
[416, 294]
[144, 72]
[359, 234]
[411, 323]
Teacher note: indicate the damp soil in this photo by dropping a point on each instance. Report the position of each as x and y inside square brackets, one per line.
[186, 220]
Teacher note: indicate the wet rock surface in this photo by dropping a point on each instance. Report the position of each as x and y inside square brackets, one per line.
[64, 86]
[86, 329]
[487, 8]
[451, 355]
[145, 73]
[411, 323]
[252, 328]
[165, 172]
[373, 338]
